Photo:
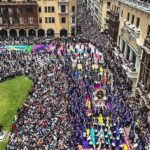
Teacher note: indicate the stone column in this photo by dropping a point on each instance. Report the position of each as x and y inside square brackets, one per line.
[27, 33]
[131, 54]
[125, 51]
[121, 43]
[17, 32]
[8, 33]
[137, 62]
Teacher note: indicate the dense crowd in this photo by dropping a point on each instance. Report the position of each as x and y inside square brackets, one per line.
[60, 110]
[24, 40]
[140, 130]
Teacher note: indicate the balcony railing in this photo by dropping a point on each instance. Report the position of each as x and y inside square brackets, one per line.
[130, 71]
[63, 13]
[63, 0]
[15, 26]
[134, 31]
[147, 42]
[144, 6]
[18, 3]
[113, 16]
[145, 94]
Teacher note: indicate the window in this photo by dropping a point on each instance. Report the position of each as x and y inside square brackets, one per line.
[49, 20]
[122, 13]
[53, 20]
[50, 9]
[148, 30]
[63, 8]
[63, 20]
[45, 9]
[73, 19]
[1, 20]
[1, 10]
[21, 20]
[137, 22]
[132, 21]
[40, 20]
[128, 16]
[10, 20]
[108, 4]
[40, 10]
[31, 20]
[46, 20]
[10, 10]
[29, 9]
[18, 11]
[73, 8]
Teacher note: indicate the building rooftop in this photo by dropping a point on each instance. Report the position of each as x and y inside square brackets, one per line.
[143, 5]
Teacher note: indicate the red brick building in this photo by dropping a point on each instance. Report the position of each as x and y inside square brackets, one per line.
[18, 18]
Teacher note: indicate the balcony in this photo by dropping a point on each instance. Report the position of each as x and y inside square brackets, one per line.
[129, 69]
[62, 2]
[147, 42]
[73, 24]
[107, 17]
[63, 13]
[4, 3]
[73, 14]
[19, 26]
[141, 5]
[144, 94]
[113, 18]
[132, 30]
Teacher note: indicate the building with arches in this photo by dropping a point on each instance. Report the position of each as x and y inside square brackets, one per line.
[57, 17]
[37, 18]
[17, 17]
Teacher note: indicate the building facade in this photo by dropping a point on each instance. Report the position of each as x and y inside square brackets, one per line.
[18, 18]
[100, 12]
[95, 8]
[57, 17]
[38, 18]
[133, 29]
[113, 20]
[143, 85]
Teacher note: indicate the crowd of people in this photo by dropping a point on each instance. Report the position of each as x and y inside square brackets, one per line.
[60, 111]
[54, 115]
[140, 130]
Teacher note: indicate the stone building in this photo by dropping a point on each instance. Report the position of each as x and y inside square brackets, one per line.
[37, 17]
[133, 29]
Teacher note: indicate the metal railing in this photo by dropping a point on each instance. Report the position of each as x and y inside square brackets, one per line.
[18, 3]
[147, 42]
[34, 25]
[144, 6]
[132, 29]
